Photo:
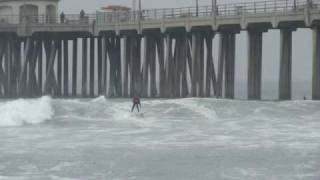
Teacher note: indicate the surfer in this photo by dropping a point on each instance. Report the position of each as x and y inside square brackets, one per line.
[136, 102]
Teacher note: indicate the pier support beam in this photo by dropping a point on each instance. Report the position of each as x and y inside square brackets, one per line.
[254, 64]
[285, 64]
[104, 66]
[23, 75]
[135, 66]
[152, 64]
[226, 65]
[183, 66]
[100, 66]
[223, 46]
[162, 71]
[196, 48]
[211, 80]
[126, 56]
[40, 62]
[316, 64]
[115, 85]
[8, 67]
[51, 83]
[59, 68]
[84, 66]
[66, 68]
[92, 69]
[168, 66]
[74, 67]
[230, 66]
[145, 68]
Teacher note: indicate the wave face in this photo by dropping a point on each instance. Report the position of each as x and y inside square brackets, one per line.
[175, 139]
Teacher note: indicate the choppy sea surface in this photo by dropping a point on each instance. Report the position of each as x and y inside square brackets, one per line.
[183, 139]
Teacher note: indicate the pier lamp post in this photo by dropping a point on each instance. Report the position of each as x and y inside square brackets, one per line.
[139, 10]
[139, 15]
[197, 7]
[214, 7]
[309, 3]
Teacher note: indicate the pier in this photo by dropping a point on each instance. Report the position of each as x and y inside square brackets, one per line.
[157, 53]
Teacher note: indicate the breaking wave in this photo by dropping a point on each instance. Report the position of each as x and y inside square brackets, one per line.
[25, 111]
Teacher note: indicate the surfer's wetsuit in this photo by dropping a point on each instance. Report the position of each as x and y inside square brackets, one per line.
[136, 102]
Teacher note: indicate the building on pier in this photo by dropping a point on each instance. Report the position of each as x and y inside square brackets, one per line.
[29, 11]
[114, 13]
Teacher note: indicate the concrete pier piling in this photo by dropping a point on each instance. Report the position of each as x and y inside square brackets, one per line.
[104, 65]
[152, 67]
[84, 67]
[221, 63]
[168, 66]
[100, 66]
[65, 67]
[254, 64]
[316, 64]
[195, 64]
[91, 68]
[285, 77]
[59, 68]
[126, 55]
[74, 66]
[230, 66]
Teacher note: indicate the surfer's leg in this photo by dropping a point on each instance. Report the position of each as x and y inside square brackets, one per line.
[133, 107]
[138, 107]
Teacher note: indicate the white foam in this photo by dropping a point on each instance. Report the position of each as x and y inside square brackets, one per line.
[198, 107]
[100, 99]
[22, 111]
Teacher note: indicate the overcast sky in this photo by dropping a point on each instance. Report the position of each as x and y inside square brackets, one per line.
[302, 39]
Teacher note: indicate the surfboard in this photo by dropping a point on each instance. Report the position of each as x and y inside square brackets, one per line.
[140, 114]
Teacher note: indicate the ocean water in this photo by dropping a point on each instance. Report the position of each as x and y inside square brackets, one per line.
[192, 138]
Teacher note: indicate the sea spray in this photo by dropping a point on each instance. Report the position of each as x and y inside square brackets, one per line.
[25, 111]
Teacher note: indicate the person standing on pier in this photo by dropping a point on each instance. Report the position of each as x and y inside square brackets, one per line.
[62, 17]
[82, 14]
[136, 103]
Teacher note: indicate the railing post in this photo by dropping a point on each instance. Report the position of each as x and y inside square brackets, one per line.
[139, 16]
[163, 13]
[225, 10]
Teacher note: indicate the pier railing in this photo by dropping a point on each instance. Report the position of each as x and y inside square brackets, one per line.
[221, 10]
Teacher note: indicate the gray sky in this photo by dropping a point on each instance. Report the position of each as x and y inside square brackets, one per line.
[302, 39]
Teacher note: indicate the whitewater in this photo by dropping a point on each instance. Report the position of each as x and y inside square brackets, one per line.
[84, 139]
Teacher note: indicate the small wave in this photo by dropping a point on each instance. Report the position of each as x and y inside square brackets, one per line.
[100, 99]
[22, 111]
